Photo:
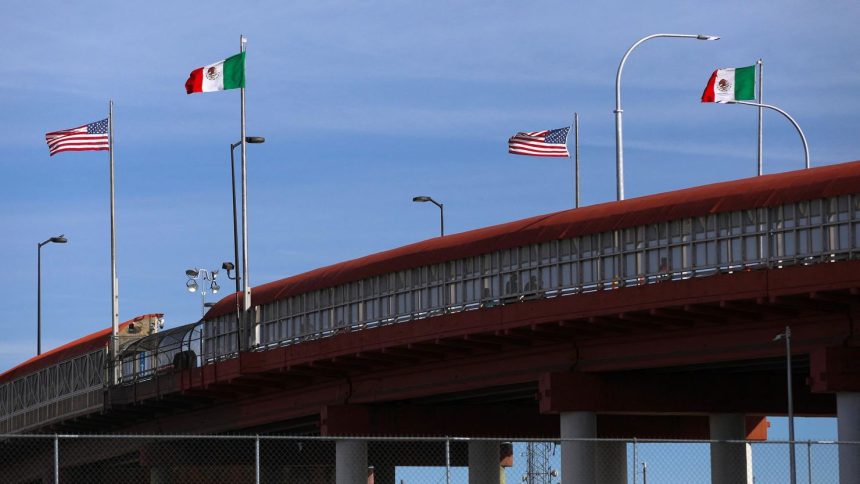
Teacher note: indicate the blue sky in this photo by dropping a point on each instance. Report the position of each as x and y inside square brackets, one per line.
[365, 104]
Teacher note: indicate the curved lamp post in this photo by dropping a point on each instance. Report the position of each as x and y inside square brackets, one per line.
[424, 198]
[619, 147]
[60, 239]
[780, 111]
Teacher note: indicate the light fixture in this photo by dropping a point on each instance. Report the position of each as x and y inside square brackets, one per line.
[425, 198]
[203, 275]
[707, 37]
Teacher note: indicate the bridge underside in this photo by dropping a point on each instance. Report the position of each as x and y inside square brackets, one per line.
[651, 361]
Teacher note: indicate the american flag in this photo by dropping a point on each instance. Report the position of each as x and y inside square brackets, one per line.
[549, 142]
[89, 137]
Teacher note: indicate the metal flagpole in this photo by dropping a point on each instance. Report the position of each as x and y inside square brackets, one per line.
[780, 111]
[246, 287]
[113, 291]
[760, 112]
[576, 155]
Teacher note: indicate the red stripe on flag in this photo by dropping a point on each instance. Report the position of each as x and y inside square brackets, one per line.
[78, 149]
[708, 95]
[195, 81]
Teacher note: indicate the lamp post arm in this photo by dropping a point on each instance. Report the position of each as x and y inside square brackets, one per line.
[793, 122]
[627, 54]
[619, 137]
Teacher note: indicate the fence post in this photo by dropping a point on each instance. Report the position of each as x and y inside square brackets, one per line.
[56, 459]
[634, 460]
[447, 460]
[257, 459]
[809, 460]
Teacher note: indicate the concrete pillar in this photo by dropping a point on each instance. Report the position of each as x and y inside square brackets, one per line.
[577, 458]
[484, 462]
[729, 464]
[350, 461]
[848, 430]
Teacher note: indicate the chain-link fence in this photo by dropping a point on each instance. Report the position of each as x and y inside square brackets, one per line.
[321, 460]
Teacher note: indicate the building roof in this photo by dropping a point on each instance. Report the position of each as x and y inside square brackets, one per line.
[747, 193]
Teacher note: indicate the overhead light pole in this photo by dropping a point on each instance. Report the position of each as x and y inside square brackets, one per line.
[235, 264]
[786, 335]
[60, 239]
[233, 146]
[424, 198]
[619, 146]
[790, 119]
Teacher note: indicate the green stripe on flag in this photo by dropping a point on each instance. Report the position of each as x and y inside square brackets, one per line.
[234, 71]
[744, 83]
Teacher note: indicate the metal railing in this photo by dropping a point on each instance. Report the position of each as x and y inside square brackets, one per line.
[802, 233]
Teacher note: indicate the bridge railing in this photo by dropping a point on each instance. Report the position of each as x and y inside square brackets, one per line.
[66, 389]
[807, 232]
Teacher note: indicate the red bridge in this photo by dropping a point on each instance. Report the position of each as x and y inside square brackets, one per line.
[651, 317]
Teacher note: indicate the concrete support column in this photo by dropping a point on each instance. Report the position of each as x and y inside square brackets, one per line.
[848, 428]
[729, 464]
[577, 458]
[350, 461]
[484, 465]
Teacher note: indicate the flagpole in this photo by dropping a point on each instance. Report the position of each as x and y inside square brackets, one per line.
[760, 112]
[246, 287]
[576, 155]
[780, 111]
[114, 296]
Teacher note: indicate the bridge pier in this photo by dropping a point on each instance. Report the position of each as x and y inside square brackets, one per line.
[729, 463]
[350, 461]
[484, 462]
[577, 457]
[848, 429]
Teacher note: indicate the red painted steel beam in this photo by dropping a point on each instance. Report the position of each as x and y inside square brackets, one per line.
[835, 369]
[760, 393]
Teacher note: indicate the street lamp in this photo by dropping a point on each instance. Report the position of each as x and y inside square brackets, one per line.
[203, 275]
[791, 462]
[60, 239]
[423, 198]
[619, 147]
[252, 140]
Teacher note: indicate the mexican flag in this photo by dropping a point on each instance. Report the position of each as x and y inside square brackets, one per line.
[732, 84]
[226, 74]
